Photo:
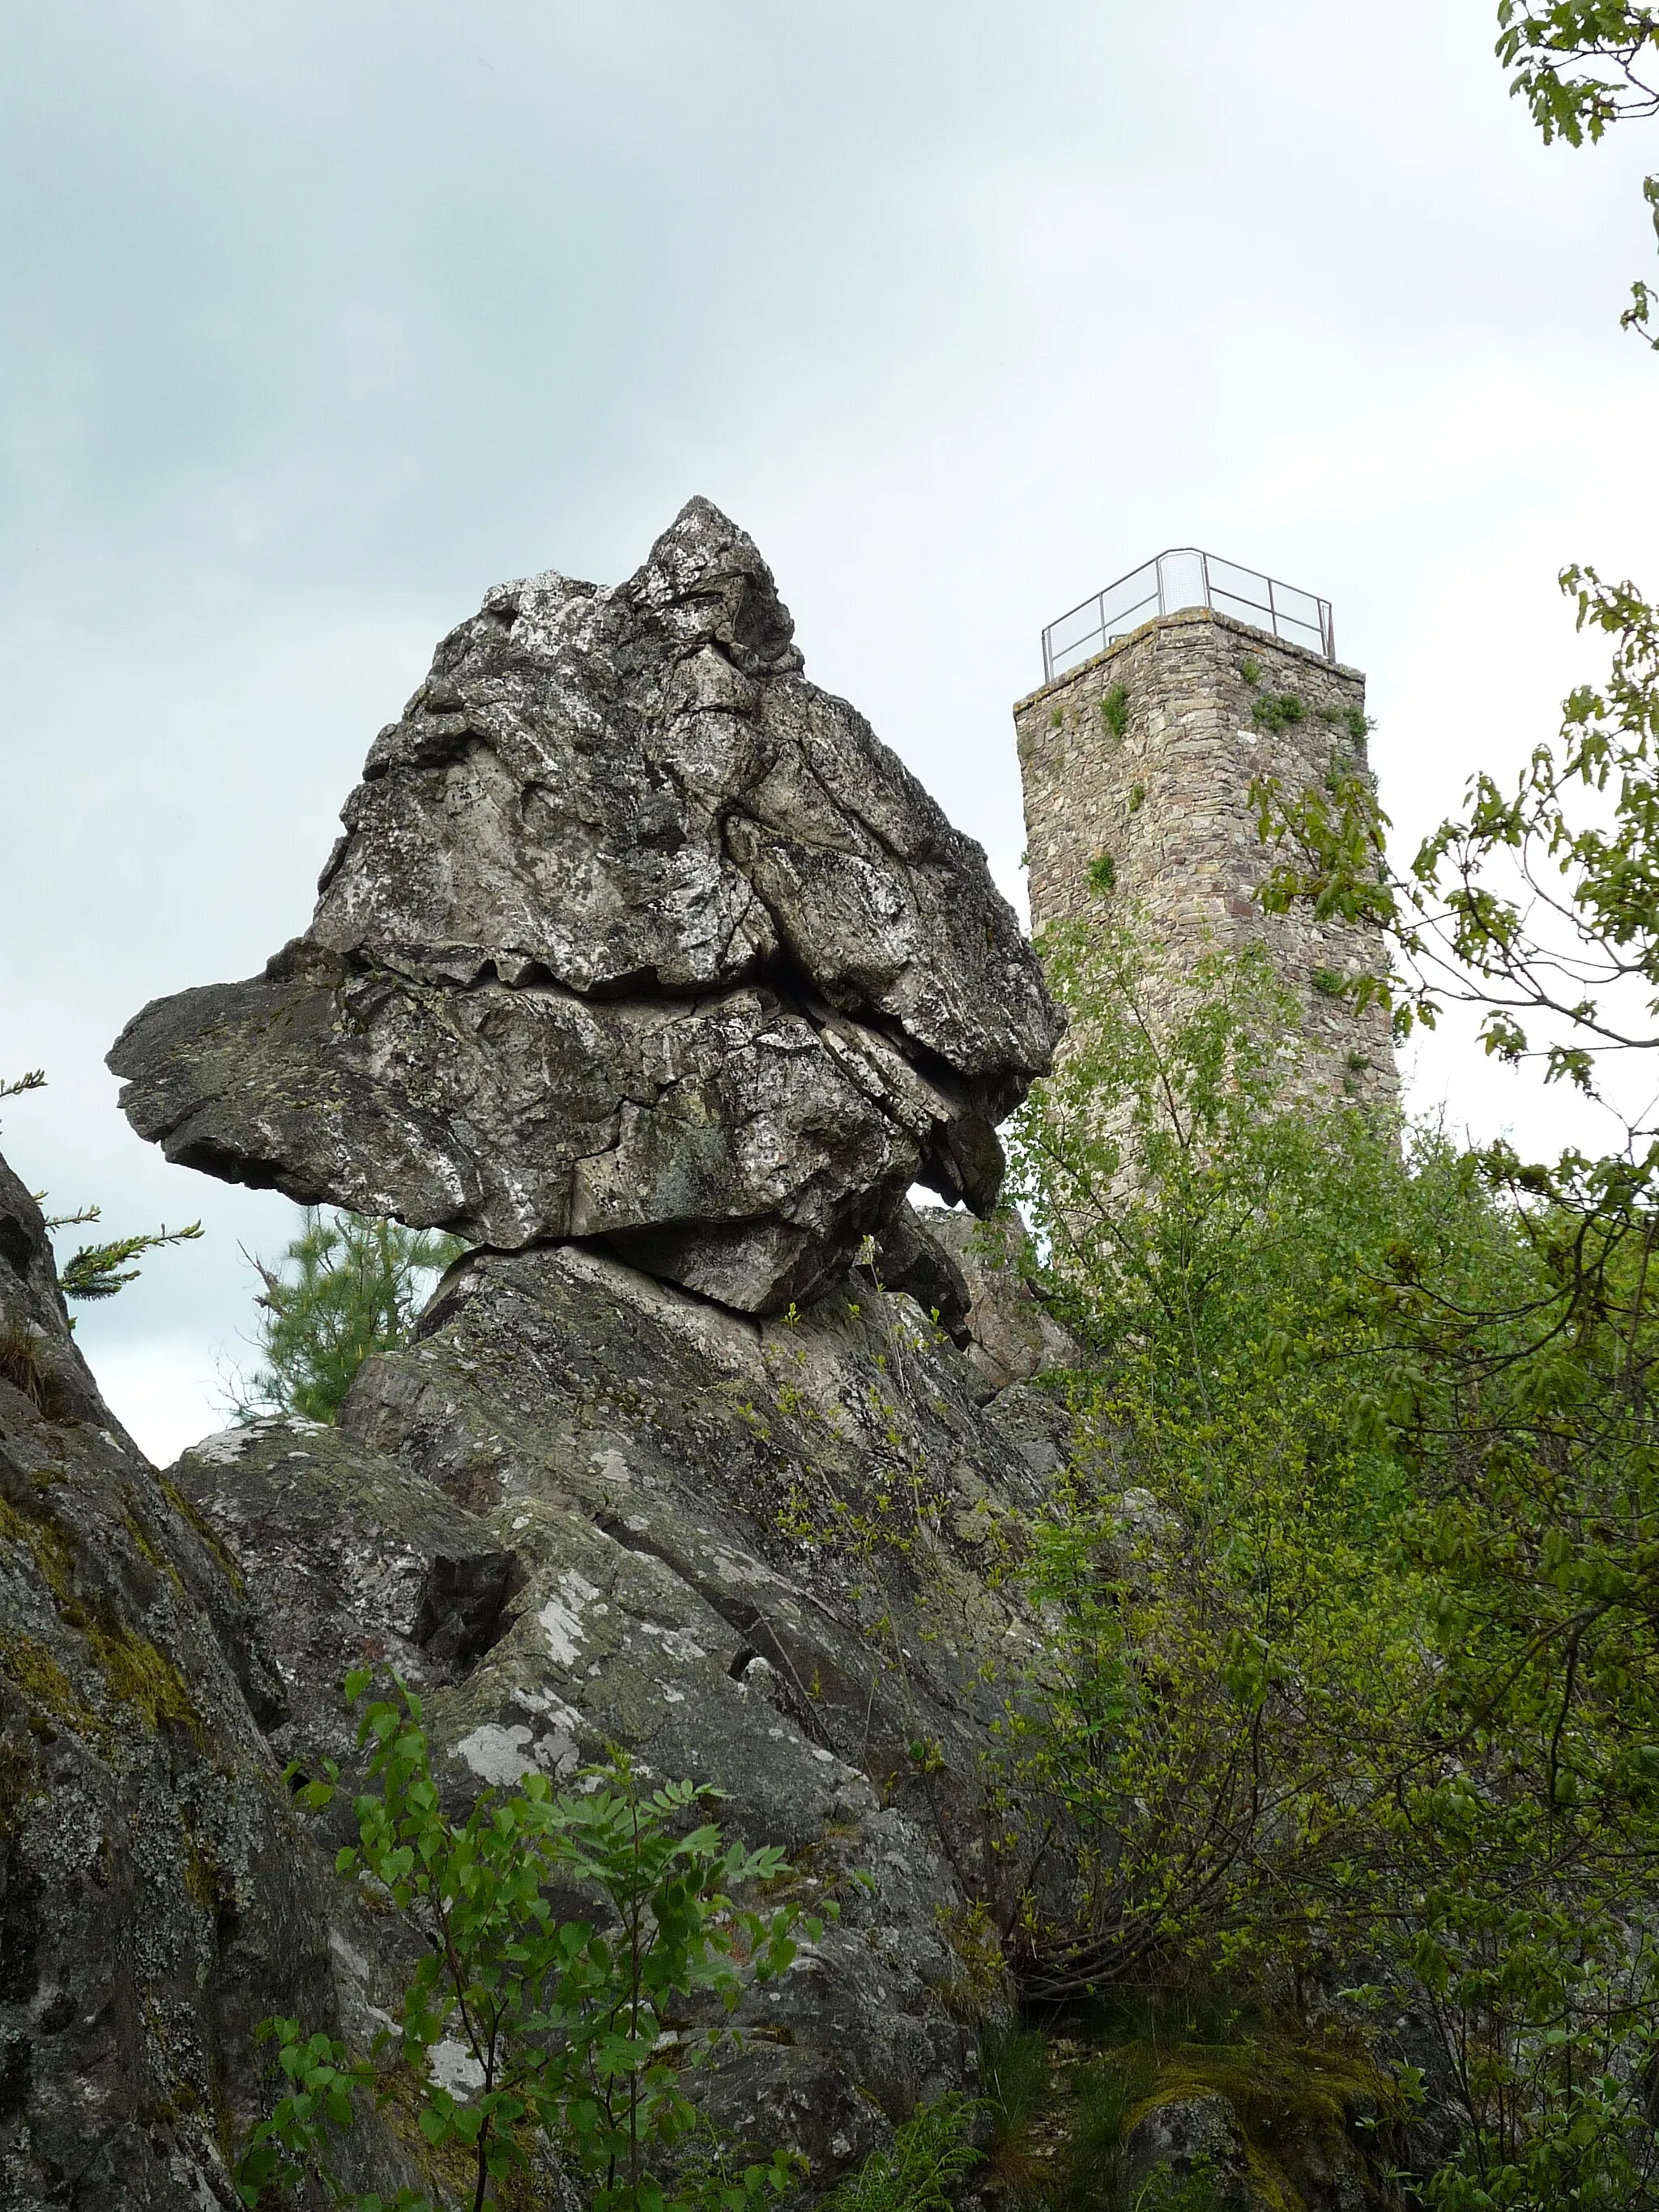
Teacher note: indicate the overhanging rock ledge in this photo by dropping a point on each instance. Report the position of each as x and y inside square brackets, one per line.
[632, 934]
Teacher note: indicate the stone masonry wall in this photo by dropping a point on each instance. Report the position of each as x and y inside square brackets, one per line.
[1165, 795]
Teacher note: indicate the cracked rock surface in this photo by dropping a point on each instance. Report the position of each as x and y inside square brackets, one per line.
[632, 934]
[1010, 1335]
[750, 1552]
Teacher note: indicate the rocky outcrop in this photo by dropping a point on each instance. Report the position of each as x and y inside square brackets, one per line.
[1189, 2151]
[1005, 1328]
[157, 1899]
[584, 1508]
[644, 967]
[633, 934]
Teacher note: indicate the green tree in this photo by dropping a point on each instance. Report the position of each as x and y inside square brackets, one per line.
[347, 1287]
[578, 2031]
[1352, 1585]
[1215, 1559]
[1524, 1420]
[1537, 905]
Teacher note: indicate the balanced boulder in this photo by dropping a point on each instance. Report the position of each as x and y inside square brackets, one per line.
[632, 934]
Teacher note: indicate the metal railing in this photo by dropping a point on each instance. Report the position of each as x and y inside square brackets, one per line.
[1185, 577]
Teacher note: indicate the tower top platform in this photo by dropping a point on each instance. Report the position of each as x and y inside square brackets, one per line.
[1185, 576]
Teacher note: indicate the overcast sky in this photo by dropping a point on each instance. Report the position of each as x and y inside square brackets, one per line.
[318, 317]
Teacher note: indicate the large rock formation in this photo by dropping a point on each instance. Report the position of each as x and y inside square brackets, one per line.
[584, 1508]
[632, 934]
[157, 1899]
[644, 967]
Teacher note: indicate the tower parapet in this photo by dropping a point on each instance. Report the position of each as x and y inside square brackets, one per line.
[1162, 704]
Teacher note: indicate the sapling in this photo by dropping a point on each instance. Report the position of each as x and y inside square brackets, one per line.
[559, 2029]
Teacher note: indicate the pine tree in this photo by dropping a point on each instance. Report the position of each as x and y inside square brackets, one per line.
[348, 1285]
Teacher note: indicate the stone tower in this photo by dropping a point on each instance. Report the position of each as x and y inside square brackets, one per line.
[1164, 696]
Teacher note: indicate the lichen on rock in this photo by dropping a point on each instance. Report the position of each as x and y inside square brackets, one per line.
[645, 968]
[632, 934]
[750, 1553]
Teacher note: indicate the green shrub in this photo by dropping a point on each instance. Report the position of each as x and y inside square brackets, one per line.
[1353, 1646]
[1278, 710]
[1015, 2077]
[560, 2022]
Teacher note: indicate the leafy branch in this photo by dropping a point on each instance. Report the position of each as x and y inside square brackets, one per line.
[98, 1271]
[1581, 66]
[1572, 939]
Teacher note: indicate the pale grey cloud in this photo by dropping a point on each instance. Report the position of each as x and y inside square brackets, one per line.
[315, 319]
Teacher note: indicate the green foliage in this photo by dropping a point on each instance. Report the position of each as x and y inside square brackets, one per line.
[1576, 64]
[1197, 2191]
[1102, 873]
[346, 1287]
[1579, 65]
[1061, 2113]
[1539, 906]
[1100, 2109]
[1354, 719]
[1278, 710]
[580, 2031]
[1114, 711]
[1518, 1825]
[25, 1365]
[930, 2152]
[1013, 2068]
[1214, 1553]
[98, 1271]
[1353, 1582]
